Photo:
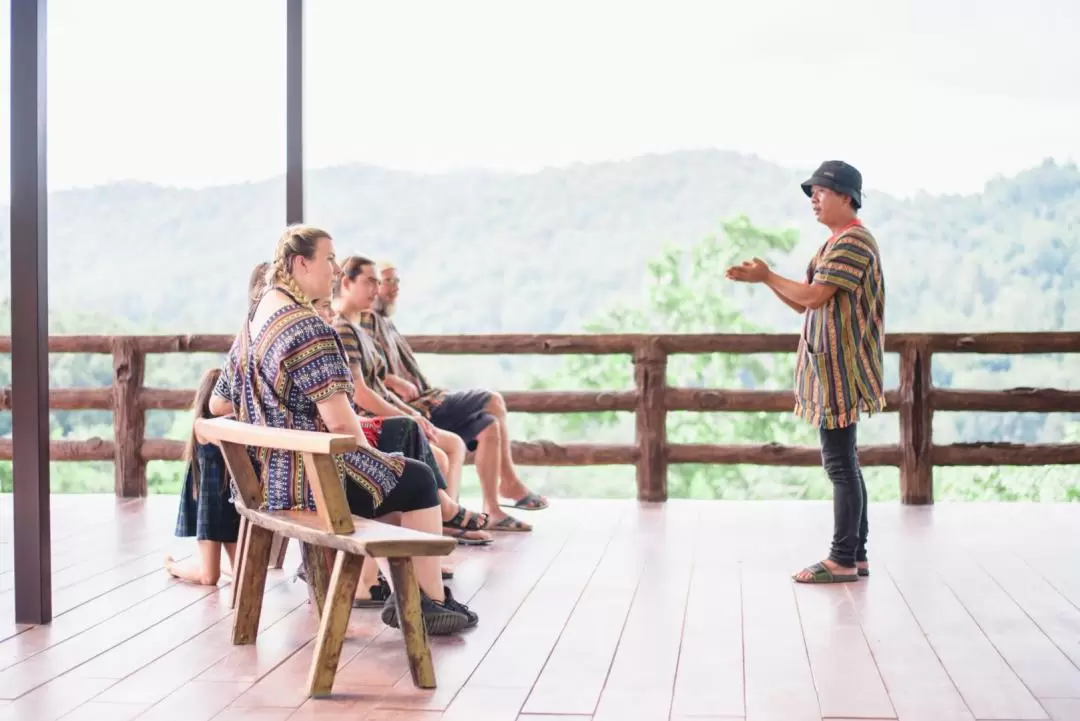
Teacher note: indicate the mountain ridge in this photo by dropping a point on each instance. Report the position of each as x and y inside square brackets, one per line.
[542, 251]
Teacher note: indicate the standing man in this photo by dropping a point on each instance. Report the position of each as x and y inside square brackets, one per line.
[838, 370]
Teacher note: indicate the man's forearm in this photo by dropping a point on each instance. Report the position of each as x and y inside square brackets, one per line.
[789, 303]
[402, 406]
[793, 292]
[371, 402]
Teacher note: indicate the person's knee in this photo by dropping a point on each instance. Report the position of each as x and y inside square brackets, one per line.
[209, 578]
[839, 456]
[393, 518]
[419, 482]
[840, 468]
[441, 457]
[496, 405]
[491, 434]
[454, 445]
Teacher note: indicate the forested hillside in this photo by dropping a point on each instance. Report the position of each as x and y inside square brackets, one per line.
[557, 251]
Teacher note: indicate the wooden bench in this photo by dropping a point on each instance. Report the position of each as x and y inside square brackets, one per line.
[329, 532]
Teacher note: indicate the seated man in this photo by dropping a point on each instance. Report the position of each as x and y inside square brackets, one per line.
[478, 416]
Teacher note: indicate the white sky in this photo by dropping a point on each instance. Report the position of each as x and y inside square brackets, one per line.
[924, 94]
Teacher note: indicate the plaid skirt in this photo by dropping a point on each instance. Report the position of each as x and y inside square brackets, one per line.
[211, 516]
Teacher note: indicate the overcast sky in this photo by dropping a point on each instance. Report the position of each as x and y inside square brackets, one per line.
[924, 94]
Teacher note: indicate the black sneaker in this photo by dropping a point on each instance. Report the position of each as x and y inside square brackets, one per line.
[440, 620]
[455, 605]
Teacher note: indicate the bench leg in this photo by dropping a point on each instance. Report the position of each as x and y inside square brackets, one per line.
[317, 569]
[238, 570]
[252, 585]
[277, 550]
[333, 622]
[407, 595]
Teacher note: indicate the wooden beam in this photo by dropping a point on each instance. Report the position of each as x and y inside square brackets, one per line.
[30, 314]
[250, 434]
[1007, 454]
[1024, 400]
[1005, 343]
[725, 400]
[773, 454]
[548, 453]
[91, 449]
[569, 401]
[602, 344]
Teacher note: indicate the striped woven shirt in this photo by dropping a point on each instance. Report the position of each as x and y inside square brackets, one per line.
[839, 366]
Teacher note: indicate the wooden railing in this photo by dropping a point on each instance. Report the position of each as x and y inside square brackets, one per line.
[915, 401]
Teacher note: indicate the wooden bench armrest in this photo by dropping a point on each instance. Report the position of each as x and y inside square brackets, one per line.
[370, 538]
[225, 430]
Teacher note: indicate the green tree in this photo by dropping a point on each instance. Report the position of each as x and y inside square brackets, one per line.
[687, 293]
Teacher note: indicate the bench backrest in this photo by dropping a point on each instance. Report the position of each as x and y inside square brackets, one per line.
[316, 449]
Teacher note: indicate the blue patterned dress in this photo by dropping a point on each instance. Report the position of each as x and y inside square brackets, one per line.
[275, 379]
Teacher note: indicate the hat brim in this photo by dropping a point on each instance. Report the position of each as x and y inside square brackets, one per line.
[808, 188]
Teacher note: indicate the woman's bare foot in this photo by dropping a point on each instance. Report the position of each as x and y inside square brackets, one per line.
[190, 571]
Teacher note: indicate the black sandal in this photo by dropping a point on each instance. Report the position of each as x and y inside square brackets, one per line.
[379, 593]
[478, 522]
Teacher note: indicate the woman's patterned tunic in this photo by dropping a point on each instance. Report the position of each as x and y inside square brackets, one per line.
[275, 379]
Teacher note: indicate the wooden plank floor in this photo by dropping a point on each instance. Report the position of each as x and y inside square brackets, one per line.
[610, 610]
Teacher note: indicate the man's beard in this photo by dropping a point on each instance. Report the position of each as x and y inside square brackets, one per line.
[383, 307]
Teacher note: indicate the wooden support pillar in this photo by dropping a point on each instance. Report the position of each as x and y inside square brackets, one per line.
[294, 112]
[30, 315]
[650, 427]
[129, 419]
[916, 425]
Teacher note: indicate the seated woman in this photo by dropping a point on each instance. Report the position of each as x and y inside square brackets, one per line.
[287, 369]
[353, 293]
[397, 435]
[402, 434]
[206, 510]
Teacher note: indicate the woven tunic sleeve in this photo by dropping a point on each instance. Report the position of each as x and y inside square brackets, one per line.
[315, 361]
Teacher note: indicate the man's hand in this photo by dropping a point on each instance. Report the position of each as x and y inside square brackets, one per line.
[751, 271]
[425, 425]
[405, 390]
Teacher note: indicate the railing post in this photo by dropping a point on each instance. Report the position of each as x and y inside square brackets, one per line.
[650, 427]
[129, 419]
[916, 425]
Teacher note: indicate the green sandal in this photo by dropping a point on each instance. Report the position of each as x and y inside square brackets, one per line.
[822, 574]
